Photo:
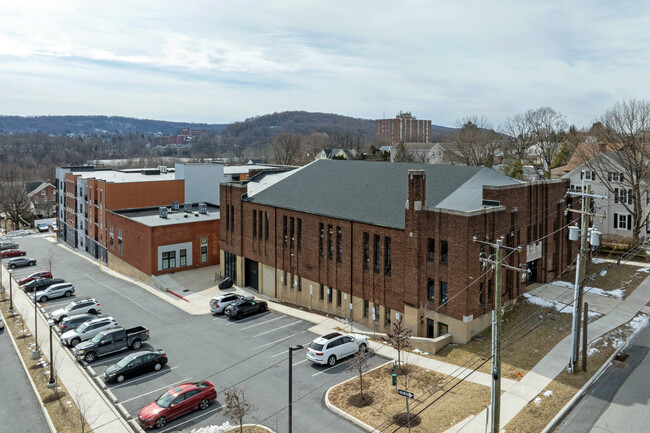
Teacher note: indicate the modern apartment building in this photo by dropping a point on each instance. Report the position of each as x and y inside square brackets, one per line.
[404, 128]
[375, 241]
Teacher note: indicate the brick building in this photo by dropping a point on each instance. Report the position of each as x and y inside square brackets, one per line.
[376, 241]
[143, 242]
[404, 128]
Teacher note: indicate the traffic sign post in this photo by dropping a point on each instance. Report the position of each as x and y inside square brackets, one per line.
[407, 395]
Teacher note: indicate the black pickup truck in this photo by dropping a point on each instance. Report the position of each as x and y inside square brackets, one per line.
[110, 341]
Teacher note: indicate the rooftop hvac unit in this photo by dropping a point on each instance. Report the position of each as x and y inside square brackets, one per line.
[187, 207]
[162, 211]
[162, 168]
[175, 205]
[203, 208]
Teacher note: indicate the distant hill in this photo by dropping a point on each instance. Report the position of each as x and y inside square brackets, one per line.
[89, 125]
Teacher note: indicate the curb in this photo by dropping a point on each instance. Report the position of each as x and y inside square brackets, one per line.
[581, 393]
[344, 414]
[46, 415]
[135, 426]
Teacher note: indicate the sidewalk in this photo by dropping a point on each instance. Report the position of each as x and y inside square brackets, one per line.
[100, 414]
[516, 397]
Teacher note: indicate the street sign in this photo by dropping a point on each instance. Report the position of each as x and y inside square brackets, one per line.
[405, 393]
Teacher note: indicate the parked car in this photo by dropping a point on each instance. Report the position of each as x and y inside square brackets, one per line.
[244, 307]
[8, 246]
[42, 227]
[110, 341]
[87, 330]
[41, 284]
[35, 275]
[135, 364]
[73, 322]
[20, 262]
[176, 402]
[54, 227]
[54, 291]
[219, 303]
[12, 253]
[88, 305]
[2, 323]
[331, 347]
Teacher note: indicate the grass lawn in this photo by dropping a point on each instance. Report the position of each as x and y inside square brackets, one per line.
[381, 402]
[624, 277]
[65, 415]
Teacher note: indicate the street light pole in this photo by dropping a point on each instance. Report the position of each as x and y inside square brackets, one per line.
[291, 349]
[52, 382]
[11, 295]
[36, 353]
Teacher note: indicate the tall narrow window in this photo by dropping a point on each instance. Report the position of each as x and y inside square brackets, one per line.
[119, 241]
[443, 251]
[329, 295]
[386, 316]
[259, 221]
[299, 234]
[387, 256]
[376, 263]
[321, 239]
[366, 250]
[110, 233]
[338, 298]
[299, 283]
[183, 258]
[339, 245]
[443, 292]
[321, 293]
[227, 218]
[366, 306]
[204, 249]
[284, 230]
[431, 289]
[291, 232]
[232, 218]
[266, 226]
[330, 242]
[431, 250]
[376, 313]
[254, 223]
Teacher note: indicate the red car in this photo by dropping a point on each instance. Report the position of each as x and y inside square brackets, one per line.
[35, 275]
[176, 402]
[12, 253]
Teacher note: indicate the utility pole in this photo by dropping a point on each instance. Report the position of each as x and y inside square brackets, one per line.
[497, 263]
[580, 269]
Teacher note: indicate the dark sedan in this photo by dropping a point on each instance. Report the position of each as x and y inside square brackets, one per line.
[135, 364]
[41, 284]
[242, 308]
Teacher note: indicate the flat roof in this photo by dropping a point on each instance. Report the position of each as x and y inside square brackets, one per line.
[149, 216]
[124, 176]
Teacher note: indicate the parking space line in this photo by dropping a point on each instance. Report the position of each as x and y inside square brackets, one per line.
[278, 354]
[262, 323]
[275, 329]
[300, 362]
[175, 426]
[277, 341]
[124, 296]
[323, 371]
[157, 389]
[143, 377]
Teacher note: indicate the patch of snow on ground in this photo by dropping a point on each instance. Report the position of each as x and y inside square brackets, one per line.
[537, 400]
[597, 261]
[564, 284]
[639, 322]
[214, 428]
[346, 321]
[646, 270]
[419, 351]
[603, 272]
[543, 302]
[548, 393]
[617, 293]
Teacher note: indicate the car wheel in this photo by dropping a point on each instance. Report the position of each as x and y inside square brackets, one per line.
[32, 263]
[160, 422]
[92, 311]
[90, 357]
[363, 347]
[68, 294]
[60, 319]
[137, 344]
[22, 254]
[331, 360]
[120, 378]
[239, 316]
[43, 299]
[262, 308]
[12, 266]
[158, 366]
[75, 341]
[204, 404]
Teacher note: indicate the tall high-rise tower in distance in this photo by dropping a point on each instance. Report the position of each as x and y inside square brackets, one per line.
[403, 128]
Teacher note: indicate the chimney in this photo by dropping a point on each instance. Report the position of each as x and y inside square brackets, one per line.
[416, 190]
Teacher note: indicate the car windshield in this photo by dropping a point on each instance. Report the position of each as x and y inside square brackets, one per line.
[97, 338]
[125, 361]
[82, 327]
[316, 346]
[165, 400]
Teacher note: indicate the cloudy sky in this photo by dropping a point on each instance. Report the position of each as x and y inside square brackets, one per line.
[222, 61]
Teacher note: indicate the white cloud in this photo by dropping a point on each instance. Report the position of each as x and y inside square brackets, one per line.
[224, 61]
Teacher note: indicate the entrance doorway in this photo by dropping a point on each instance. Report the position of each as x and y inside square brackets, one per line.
[532, 275]
[251, 279]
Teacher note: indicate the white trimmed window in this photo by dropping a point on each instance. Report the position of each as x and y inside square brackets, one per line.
[622, 221]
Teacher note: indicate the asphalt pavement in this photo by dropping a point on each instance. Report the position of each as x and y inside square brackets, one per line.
[619, 400]
[251, 353]
[20, 410]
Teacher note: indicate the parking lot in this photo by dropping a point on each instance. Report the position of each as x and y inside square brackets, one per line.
[251, 353]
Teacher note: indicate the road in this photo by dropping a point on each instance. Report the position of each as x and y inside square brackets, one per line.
[17, 396]
[619, 401]
[250, 353]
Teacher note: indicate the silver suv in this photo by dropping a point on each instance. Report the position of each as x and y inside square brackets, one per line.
[87, 330]
[89, 305]
[54, 291]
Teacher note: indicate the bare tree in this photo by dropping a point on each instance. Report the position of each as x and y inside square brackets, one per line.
[84, 407]
[49, 259]
[286, 148]
[359, 363]
[520, 136]
[476, 142]
[237, 406]
[399, 338]
[13, 197]
[402, 154]
[624, 165]
[546, 127]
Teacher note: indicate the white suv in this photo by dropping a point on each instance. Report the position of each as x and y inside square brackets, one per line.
[332, 347]
[89, 305]
[87, 330]
[219, 303]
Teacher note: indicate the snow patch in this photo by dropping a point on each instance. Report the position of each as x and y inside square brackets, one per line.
[646, 270]
[419, 351]
[639, 322]
[538, 400]
[214, 428]
[548, 393]
[543, 302]
[616, 293]
[597, 261]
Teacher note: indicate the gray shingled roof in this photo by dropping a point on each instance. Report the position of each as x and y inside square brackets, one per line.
[376, 192]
